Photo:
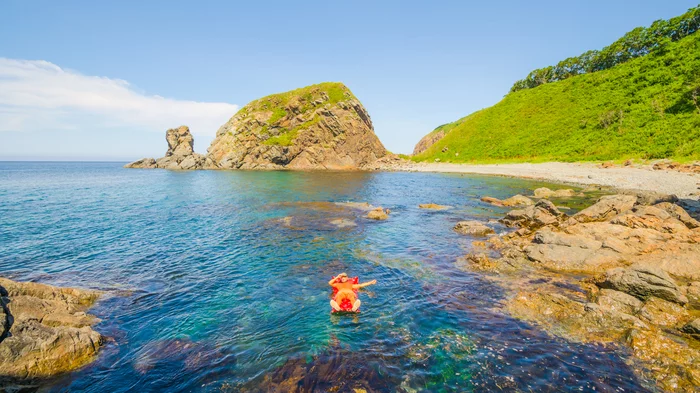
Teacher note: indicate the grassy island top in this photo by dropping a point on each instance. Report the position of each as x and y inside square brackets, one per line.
[335, 91]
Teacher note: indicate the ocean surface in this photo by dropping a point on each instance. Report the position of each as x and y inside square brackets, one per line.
[218, 281]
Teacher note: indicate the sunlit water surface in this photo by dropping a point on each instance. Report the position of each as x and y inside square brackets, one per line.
[208, 290]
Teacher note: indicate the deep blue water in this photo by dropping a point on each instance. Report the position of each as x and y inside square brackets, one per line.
[209, 291]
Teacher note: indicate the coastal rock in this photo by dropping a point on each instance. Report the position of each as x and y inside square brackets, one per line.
[692, 328]
[46, 330]
[679, 213]
[663, 313]
[642, 283]
[472, 228]
[692, 292]
[516, 200]
[378, 214]
[544, 192]
[179, 156]
[542, 213]
[555, 268]
[606, 207]
[322, 126]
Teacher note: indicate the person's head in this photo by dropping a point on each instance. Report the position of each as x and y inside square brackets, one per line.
[342, 277]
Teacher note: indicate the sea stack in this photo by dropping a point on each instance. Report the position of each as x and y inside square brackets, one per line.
[180, 154]
[322, 126]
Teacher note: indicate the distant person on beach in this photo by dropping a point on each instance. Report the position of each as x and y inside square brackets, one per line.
[346, 290]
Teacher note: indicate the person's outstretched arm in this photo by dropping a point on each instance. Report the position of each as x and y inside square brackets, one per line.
[365, 284]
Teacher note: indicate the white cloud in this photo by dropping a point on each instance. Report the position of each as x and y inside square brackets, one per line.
[37, 95]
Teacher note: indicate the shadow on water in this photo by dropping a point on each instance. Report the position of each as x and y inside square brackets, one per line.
[220, 291]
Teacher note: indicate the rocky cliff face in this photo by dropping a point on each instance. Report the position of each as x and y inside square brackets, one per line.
[428, 141]
[317, 127]
[180, 154]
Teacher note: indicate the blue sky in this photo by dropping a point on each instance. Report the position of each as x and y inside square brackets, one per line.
[104, 80]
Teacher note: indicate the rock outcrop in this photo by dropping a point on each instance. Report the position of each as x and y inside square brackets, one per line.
[429, 140]
[472, 228]
[322, 126]
[620, 271]
[180, 154]
[44, 330]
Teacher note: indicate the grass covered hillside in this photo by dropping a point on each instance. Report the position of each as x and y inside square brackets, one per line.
[647, 107]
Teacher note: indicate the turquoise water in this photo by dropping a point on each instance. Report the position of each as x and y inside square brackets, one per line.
[210, 290]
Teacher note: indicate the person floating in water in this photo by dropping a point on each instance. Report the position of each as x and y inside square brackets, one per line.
[346, 290]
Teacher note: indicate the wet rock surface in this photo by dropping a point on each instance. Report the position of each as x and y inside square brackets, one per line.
[621, 272]
[473, 228]
[45, 331]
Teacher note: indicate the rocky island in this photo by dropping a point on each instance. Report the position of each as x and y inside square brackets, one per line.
[44, 331]
[322, 126]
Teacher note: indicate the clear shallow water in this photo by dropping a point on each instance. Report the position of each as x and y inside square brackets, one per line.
[209, 291]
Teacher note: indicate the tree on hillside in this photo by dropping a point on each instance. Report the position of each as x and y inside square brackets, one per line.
[638, 42]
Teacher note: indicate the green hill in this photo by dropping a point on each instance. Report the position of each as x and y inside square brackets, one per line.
[645, 107]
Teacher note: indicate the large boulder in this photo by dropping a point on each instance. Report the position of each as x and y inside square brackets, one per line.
[544, 192]
[180, 154]
[606, 207]
[322, 126]
[472, 228]
[642, 283]
[541, 214]
[679, 213]
[45, 330]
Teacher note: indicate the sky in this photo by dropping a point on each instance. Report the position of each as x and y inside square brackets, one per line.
[104, 80]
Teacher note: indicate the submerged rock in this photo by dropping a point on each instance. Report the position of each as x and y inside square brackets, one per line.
[433, 206]
[45, 330]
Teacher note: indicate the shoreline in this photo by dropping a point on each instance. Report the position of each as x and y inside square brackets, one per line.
[633, 178]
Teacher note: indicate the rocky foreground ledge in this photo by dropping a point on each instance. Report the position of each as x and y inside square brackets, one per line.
[44, 331]
[624, 271]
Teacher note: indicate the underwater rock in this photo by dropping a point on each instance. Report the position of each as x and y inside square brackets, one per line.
[45, 330]
[433, 206]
